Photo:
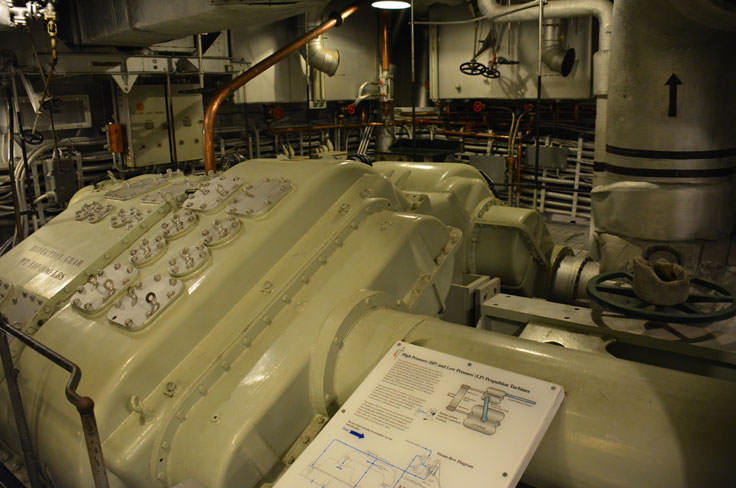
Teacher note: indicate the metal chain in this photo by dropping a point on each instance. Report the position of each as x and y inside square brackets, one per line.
[52, 30]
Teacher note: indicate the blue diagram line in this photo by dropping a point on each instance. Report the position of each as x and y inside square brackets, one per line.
[486, 401]
[372, 463]
[373, 459]
[521, 399]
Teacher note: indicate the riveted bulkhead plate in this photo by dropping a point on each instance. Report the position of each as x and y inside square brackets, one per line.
[127, 217]
[144, 301]
[188, 260]
[221, 231]
[213, 193]
[259, 198]
[93, 212]
[178, 224]
[102, 287]
[22, 307]
[6, 289]
[148, 250]
[136, 188]
[177, 190]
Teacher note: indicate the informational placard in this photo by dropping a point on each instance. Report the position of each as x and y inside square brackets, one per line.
[425, 419]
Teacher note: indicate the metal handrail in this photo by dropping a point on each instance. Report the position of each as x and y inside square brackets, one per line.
[84, 405]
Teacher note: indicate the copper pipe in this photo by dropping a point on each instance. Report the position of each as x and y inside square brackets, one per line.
[518, 171]
[384, 50]
[474, 134]
[210, 163]
[356, 125]
[289, 130]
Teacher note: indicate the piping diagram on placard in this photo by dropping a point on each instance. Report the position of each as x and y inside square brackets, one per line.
[425, 419]
[343, 465]
[484, 408]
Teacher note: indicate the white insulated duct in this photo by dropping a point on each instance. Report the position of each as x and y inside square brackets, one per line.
[321, 58]
[5, 22]
[555, 55]
[671, 146]
[315, 52]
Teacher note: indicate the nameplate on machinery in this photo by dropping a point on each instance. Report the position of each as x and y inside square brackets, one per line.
[425, 419]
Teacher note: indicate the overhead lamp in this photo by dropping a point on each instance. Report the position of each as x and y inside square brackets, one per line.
[390, 4]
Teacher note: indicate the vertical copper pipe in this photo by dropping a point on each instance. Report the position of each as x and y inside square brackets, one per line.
[209, 116]
[384, 43]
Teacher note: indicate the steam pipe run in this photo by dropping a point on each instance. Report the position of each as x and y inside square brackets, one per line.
[483, 135]
[210, 163]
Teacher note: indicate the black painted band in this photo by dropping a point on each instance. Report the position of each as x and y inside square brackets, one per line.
[652, 154]
[664, 173]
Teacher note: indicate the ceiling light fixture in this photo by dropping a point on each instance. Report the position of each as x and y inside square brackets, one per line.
[390, 4]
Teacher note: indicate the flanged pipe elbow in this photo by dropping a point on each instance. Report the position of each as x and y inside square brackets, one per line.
[320, 58]
[555, 55]
[559, 59]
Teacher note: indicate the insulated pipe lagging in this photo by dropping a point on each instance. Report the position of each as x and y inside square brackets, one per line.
[557, 9]
[321, 58]
[555, 55]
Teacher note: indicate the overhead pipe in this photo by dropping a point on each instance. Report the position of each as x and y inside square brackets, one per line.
[560, 9]
[555, 9]
[208, 130]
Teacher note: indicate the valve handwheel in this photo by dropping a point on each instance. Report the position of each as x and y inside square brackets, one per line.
[477, 106]
[491, 72]
[473, 68]
[707, 301]
[30, 137]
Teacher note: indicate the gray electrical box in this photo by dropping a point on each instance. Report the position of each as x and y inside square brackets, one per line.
[143, 112]
[493, 166]
[550, 157]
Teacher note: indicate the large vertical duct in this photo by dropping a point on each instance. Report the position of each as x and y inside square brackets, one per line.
[670, 142]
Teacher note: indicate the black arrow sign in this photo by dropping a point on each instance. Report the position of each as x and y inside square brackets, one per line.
[672, 82]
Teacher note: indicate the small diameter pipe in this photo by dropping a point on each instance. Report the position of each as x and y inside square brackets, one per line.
[171, 130]
[539, 104]
[85, 405]
[11, 173]
[210, 163]
[33, 467]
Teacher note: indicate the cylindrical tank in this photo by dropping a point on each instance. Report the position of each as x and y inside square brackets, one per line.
[670, 150]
